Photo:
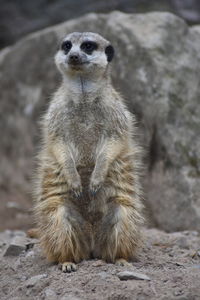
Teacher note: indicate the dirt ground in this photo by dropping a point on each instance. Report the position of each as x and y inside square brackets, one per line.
[171, 261]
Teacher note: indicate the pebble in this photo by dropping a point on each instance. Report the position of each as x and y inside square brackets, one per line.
[30, 254]
[98, 263]
[103, 275]
[23, 278]
[50, 294]
[178, 292]
[18, 244]
[126, 275]
[14, 249]
[180, 264]
[69, 297]
[34, 280]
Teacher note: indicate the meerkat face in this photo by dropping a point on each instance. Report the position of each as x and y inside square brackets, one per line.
[85, 52]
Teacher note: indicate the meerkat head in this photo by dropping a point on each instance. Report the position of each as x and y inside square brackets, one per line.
[84, 53]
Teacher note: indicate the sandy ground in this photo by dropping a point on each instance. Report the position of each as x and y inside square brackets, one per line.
[171, 261]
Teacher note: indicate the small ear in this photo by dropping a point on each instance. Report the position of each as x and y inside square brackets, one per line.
[109, 51]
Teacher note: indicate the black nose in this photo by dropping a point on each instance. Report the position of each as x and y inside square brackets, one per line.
[74, 59]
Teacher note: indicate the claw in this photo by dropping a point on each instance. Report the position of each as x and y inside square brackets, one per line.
[78, 194]
[122, 262]
[93, 190]
[68, 267]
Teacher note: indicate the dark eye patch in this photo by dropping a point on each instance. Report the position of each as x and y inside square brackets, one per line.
[109, 51]
[66, 46]
[89, 46]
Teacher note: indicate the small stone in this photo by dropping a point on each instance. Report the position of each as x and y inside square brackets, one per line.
[30, 244]
[50, 294]
[30, 254]
[180, 264]
[69, 297]
[14, 250]
[126, 275]
[98, 263]
[103, 274]
[178, 292]
[23, 278]
[34, 280]
[18, 244]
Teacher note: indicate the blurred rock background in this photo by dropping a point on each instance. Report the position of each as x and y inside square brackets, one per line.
[157, 68]
[20, 17]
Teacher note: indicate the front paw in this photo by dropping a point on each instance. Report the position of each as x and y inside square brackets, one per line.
[75, 187]
[95, 185]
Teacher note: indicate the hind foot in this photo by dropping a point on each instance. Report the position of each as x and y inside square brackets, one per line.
[122, 262]
[68, 267]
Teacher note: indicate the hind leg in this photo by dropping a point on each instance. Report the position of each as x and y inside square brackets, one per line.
[117, 235]
[63, 234]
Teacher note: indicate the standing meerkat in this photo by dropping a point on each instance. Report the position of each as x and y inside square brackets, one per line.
[88, 193]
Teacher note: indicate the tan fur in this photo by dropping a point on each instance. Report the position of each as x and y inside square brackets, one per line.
[88, 193]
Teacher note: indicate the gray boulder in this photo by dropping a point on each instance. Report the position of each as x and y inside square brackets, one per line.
[156, 67]
[18, 18]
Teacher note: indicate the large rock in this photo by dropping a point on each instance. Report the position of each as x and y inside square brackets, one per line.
[18, 18]
[156, 67]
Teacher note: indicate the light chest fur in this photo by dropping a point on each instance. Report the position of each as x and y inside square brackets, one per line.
[87, 122]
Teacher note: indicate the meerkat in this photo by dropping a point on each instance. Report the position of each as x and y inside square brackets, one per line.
[88, 191]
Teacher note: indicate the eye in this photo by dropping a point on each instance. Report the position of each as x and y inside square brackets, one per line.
[89, 47]
[66, 46]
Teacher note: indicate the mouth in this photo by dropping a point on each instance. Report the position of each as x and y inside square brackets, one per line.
[77, 65]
